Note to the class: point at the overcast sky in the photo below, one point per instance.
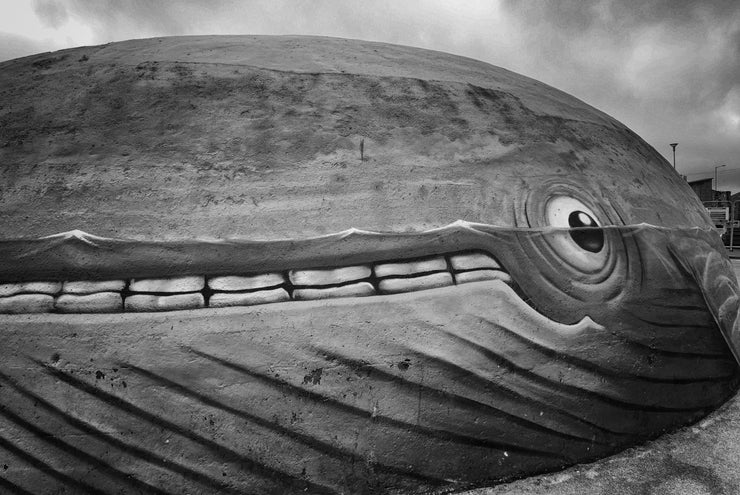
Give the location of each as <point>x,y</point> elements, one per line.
<point>668,69</point>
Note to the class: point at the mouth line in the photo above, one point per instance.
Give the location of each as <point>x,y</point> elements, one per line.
<point>382,277</point>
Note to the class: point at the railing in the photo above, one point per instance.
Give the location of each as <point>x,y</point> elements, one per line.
<point>726,218</point>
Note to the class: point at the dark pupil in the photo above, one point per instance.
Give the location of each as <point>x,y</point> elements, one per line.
<point>585,235</point>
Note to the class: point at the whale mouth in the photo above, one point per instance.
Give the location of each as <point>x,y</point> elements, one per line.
<point>144,294</point>
<point>76,272</point>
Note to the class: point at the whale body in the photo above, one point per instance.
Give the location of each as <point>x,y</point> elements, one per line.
<point>300,264</point>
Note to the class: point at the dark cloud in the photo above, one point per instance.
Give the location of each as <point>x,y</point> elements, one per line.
<point>617,15</point>
<point>115,18</point>
<point>669,69</point>
<point>677,12</point>
<point>52,13</point>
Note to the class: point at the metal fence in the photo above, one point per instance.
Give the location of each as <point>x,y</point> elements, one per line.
<point>726,218</point>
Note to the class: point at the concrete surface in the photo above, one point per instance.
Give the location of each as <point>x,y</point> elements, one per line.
<point>206,138</point>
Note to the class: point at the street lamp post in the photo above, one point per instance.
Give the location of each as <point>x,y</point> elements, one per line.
<point>673,145</point>
<point>716,189</point>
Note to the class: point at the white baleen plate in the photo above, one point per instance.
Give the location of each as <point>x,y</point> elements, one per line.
<point>411,267</point>
<point>432,281</point>
<point>224,299</point>
<point>171,285</point>
<point>147,302</point>
<point>233,282</point>
<point>30,287</point>
<point>27,303</point>
<point>477,275</point>
<point>101,302</point>
<point>473,261</point>
<point>353,290</point>
<point>329,276</point>
<point>92,286</point>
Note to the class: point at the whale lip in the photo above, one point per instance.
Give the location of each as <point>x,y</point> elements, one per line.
<point>79,255</point>
<point>81,235</point>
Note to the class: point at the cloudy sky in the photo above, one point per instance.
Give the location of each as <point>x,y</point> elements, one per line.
<point>668,69</point>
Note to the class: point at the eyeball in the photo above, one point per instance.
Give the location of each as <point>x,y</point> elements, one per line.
<point>570,213</point>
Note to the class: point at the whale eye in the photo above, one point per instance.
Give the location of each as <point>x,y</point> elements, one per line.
<point>591,239</point>
<point>567,212</point>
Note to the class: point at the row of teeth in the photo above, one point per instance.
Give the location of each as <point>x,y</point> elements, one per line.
<point>193,292</point>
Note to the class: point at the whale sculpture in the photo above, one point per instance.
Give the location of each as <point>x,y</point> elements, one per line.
<point>332,266</point>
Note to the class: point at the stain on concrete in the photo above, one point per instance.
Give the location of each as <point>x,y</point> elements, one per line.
<point>314,377</point>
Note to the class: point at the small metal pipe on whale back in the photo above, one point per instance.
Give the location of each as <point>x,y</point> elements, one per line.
<point>390,359</point>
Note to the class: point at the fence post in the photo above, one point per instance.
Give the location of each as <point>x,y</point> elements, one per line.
<point>732,225</point>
